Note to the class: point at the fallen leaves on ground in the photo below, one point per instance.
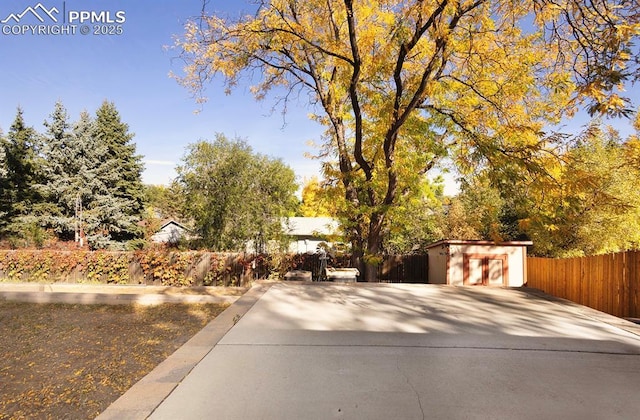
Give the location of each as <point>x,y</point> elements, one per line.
<point>72,361</point>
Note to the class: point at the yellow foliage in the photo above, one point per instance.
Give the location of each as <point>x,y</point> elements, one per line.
<point>316,200</point>
<point>403,84</point>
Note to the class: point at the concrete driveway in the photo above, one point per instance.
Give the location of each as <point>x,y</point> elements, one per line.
<point>323,351</point>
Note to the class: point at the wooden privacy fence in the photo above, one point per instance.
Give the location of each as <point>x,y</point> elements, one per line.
<point>609,283</point>
<point>404,269</point>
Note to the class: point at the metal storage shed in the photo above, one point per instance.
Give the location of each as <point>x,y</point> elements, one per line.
<point>484,263</point>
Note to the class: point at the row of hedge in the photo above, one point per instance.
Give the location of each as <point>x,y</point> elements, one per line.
<point>150,267</point>
<point>190,268</point>
<point>159,267</point>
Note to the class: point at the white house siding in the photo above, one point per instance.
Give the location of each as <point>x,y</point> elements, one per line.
<point>304,246</point>
<point>308,232</point>
<point>169,233</point>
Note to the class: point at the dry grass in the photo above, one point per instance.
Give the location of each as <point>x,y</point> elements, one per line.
<point>72,361</point>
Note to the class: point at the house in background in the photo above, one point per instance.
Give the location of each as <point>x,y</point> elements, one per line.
<point>307,233</point>
<point>171,232</point>
<point>472,263</point>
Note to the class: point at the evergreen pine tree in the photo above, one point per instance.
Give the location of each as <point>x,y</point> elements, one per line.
<point>57,187</point>
<point>19,195</point>
<point>4,205</point>
<point>85,172</point>
<point>125,188</point>
<point>93,174</point>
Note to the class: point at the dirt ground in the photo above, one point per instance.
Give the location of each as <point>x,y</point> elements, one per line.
<point>72,361</point>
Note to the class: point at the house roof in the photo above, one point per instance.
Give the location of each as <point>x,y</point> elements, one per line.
<point>172,222</point>
<point>310,226</point>
<point>477,242</point>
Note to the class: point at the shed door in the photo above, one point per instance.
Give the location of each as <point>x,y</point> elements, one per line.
<point>485,270</point>
<point>473,274</point>
<point>495,272</point>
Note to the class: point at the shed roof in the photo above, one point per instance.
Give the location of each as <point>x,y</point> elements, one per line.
<point>478,242</point>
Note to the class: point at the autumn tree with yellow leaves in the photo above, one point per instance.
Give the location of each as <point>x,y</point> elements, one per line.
<point>317,200</point>
<point>401,84</point>
<point>585,202</point>
<point>588,202</point>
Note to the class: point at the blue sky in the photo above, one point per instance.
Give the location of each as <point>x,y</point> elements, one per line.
<point>132,70</point>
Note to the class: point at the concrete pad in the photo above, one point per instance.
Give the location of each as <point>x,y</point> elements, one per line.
<point>412,351</point>
<point>145,395</point>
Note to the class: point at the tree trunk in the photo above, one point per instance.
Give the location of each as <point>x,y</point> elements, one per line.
<point>371,272</point>
<point>374,246</point>
<point>356,259</point>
